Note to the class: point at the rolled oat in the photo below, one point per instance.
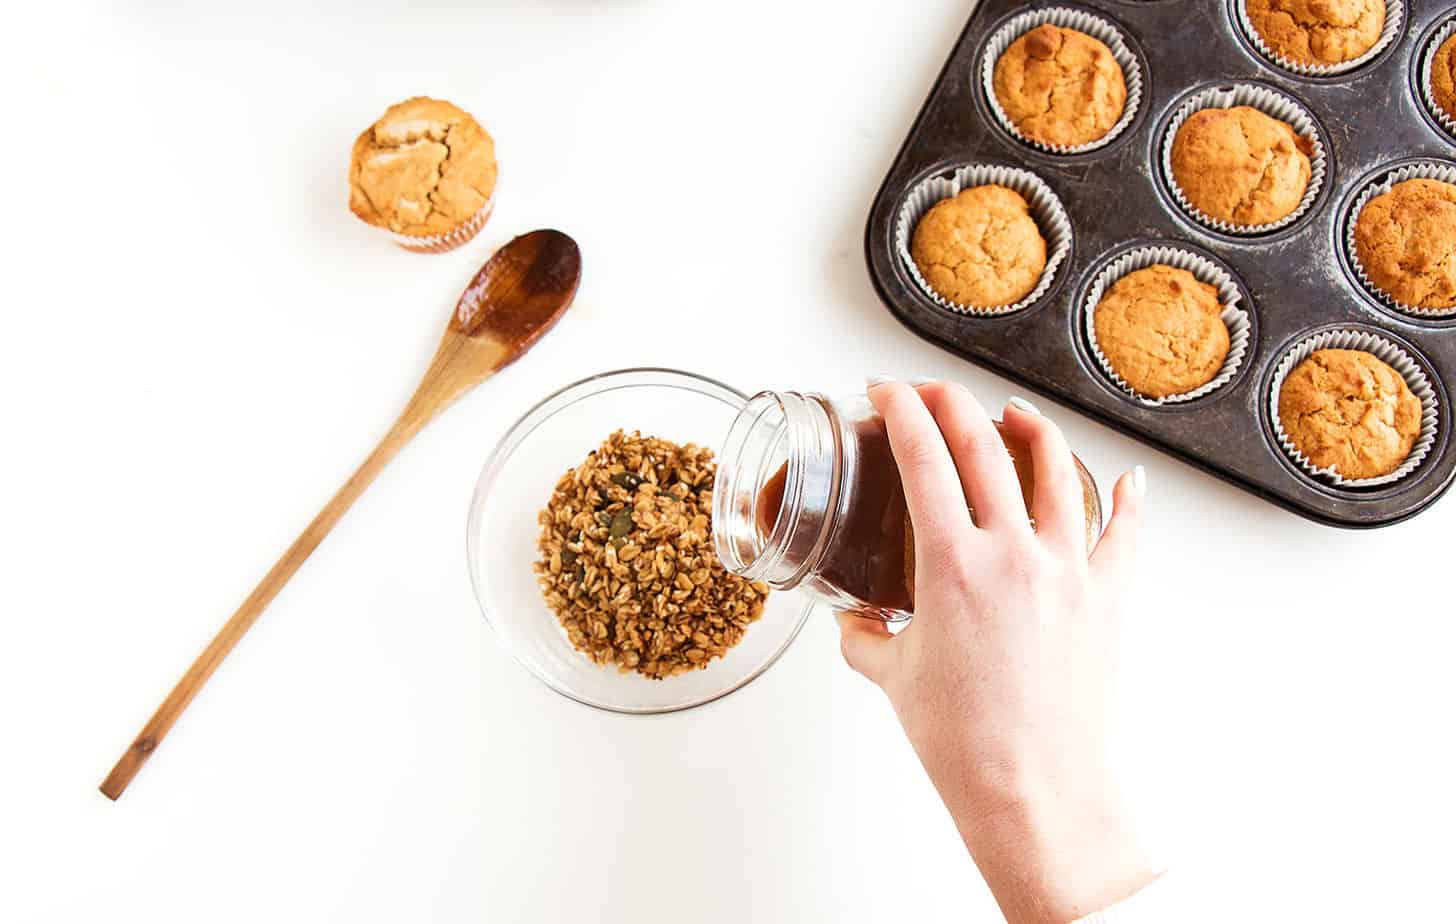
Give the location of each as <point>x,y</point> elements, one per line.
<point>627,562</point>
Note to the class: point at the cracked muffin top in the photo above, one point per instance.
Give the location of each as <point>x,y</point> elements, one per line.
<point>1349,410</point>
<point>1162,331</point>
<point>1443,76</point>
<point>1405,240</point>
<point>1318,32</point>
<point>1240,165</point>
<point>425,168</point>
<point>980,248</point>
<point>1060,86</point>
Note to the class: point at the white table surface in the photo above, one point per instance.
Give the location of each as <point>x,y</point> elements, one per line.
<point>200,343</point>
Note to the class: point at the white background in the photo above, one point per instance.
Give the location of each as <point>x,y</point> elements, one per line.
<point>200,342</point>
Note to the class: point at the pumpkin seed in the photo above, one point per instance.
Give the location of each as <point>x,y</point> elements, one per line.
<point>628,480</point>
<point>621,524</point>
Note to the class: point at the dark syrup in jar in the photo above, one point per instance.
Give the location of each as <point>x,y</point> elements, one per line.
<point>872,554</point>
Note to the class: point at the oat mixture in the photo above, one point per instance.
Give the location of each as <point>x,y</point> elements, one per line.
<point>627,561</point>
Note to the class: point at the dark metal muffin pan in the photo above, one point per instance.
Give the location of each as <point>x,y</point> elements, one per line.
<point>1296,278</point>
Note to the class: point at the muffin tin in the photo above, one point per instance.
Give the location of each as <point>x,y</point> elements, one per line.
<point>1297,280</point>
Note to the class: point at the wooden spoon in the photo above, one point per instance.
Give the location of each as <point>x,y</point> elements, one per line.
<point>515,298</point>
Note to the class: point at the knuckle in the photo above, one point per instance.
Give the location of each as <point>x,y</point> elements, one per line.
<point>1066,484</point>
<point>918,450</point>
<point>1128,511</point>
<point>1045,433</point>
<point>982,445</point>
<point>1122,527</point>
<point>1022,568</point>
<point>1038,573</point>
<point>1116,545</point>
<point>944,561</point>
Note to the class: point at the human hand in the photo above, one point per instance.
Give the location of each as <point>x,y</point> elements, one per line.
<point>1002,681</point>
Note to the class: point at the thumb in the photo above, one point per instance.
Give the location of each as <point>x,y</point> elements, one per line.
<point>865,643</point>
<point>1112,559</point>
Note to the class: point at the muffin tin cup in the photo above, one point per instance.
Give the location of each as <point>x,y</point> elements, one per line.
<point>1046,210</point>
<point>1394,17</point>
<point>1270,102</point>
<point>1430,171</point>
<point>1067,18</point>
<point>1388,352</point>
<point>448,240</point>
<point>1446,120</point>
<point>1234,317</point>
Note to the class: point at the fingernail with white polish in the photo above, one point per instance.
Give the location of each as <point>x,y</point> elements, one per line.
<point>1021,404</point>
<point>872,380</point>
<point>920,380</point>
<point>1140,479</point>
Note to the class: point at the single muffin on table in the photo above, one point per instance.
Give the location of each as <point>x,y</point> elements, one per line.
<point>1349,410</point>
<point>1405,241</point>
<point>1241,165</point>
<point>1443,77</point>
<point>1317,32</point>
<point>980,248</point>
<point>1059,86</point>
<point>1162,331</point>
<point>426,172</point>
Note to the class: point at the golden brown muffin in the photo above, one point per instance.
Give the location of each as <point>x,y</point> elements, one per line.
<point>1443,76</point>
<point>1350,410</point>
<point>1405,240</point>
<point>1060,86</point>
<point>1162,331</point>
<point>1240,165</point>
<point>425,168</point>
<point>1318,32</point>
<point>980,248</point>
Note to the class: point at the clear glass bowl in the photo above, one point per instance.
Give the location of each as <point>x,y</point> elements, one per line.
<point>553,437</point>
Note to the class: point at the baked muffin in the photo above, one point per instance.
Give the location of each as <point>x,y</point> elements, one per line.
<point>1060,86</point>
<point>980,248</point>
<point>1443,76</point>
<point>1318,32</point>
<point>1349,410</point>
<point>1162,331</point>
<point>1405,240</point>
<point>1240,165</point>
<point>425,171</point>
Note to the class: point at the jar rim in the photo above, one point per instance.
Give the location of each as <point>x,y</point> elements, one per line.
<point>743,547</point>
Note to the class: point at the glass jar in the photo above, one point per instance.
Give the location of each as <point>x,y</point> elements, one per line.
<point>808,495</point>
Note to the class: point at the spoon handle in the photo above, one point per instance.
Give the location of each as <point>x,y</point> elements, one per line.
<point>241,621</point>
<point>518,295</point>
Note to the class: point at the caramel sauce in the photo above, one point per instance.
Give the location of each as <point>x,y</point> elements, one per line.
<point>873,553</point>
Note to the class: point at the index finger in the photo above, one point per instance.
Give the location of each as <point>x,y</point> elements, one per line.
<point>933,493</point>
<point>987,474</point>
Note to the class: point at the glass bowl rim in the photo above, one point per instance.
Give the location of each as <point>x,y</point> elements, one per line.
<point>519,431</point>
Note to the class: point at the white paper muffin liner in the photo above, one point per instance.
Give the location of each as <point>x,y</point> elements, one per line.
<point>448,240</point>
<point>1398,359</point>
<point>1067,18</point>
<point>1430,171</point>
<point>1234,317</point>
<point>1446,119</point>
<point>1271,103</point>
<point>1394,16</point>
<point>1046,210</point>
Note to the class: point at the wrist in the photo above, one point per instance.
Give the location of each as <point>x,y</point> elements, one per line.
<point>1055,851</point>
